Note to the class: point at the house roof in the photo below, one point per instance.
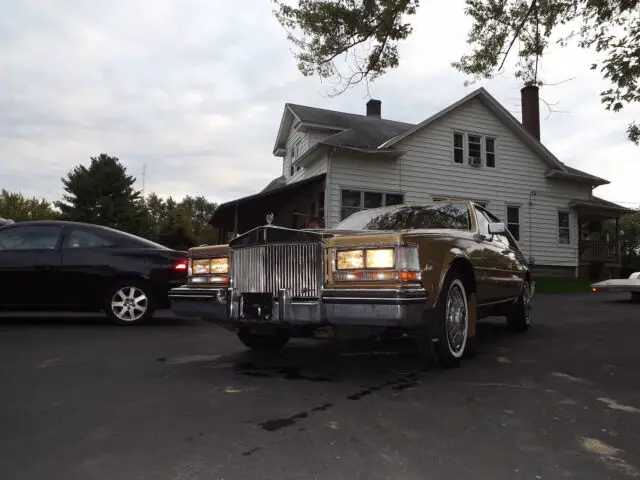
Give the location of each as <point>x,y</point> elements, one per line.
<point>600,203</point>
<point>350,129</point>
<point>358,130</point>
<point>274,184</point>
<point>273,198</point>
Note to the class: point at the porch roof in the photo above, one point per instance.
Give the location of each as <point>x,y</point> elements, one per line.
<point>254,208</point>
<point>599,206</point>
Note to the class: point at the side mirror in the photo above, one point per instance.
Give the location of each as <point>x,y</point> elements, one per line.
<point>496,228</point>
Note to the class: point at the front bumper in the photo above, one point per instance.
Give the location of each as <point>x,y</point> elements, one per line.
<point>617,285</point>
<point>401,307</point>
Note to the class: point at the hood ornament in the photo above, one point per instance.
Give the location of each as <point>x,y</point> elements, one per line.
<point>270,218</point>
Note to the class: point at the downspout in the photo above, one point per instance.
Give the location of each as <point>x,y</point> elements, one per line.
<point>532,195</point>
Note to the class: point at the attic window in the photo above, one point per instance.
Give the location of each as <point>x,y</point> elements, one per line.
<point>473,149</point>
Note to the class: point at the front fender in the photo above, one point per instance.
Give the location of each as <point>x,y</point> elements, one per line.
<point>434,272</point>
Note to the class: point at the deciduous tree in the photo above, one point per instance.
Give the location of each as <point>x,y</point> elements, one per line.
<point>368,32</point>
<point>17,207</point>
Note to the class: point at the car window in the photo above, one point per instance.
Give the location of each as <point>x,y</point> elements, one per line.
<point>502,238</point>
<point>79,238</point>
<point>404,217</point>
<point>483,222</point>
<point>32,237</point>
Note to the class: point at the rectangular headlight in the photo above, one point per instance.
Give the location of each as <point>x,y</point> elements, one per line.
<point>349,259</point>
<point>380,258</point>
<point>219,265</point>
<point>201,266</point>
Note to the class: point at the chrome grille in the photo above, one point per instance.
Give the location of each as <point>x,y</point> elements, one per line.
<point>268,268</point>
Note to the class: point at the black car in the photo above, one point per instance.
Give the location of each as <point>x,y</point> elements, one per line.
<point>55,265</point>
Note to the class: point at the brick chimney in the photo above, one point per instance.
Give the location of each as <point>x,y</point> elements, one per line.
<point>374,108</point>
<point>531,109</point>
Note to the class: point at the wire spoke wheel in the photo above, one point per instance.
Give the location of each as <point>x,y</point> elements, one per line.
<point>129,304</point>
<point>456,319</point>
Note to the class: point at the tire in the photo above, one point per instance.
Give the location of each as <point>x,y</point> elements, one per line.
<point>264,343</point>
<point>129,302</point>
<point>452,334</point>
<point>519,318</point>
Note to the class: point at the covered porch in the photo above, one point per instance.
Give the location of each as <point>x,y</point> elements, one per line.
<point>297,205</point>
<point>599,244</point>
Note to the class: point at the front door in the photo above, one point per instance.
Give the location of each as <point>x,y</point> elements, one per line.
<point>29,266</point>
<point>87,256</point>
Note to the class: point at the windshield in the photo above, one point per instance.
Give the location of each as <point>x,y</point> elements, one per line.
<point>403,217</point>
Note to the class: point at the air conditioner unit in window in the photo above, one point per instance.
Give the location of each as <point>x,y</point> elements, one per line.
<point>475,161</point>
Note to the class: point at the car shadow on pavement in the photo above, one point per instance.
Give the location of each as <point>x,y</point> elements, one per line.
<point>361,361</point>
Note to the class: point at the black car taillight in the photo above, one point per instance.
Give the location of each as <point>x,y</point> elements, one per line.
<point>182,265</point>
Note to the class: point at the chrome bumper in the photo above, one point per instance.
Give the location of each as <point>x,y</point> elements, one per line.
<point>402,308</point>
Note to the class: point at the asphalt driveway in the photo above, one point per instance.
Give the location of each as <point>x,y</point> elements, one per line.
<point>180,399</point>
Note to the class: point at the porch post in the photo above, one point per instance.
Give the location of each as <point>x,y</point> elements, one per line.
<point>618,252</point>
<point>235,219</point>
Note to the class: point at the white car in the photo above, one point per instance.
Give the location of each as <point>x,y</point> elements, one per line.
<point>631,284</point>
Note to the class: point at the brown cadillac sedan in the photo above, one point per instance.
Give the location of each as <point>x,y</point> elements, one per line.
<point>430,270</point>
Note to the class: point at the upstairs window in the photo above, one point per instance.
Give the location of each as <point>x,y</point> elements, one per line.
<point>458,148</point>
<point>475,150</point>
<point>490,152</point>
<point>295,153</point>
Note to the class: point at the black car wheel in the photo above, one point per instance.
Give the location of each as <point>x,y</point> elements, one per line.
<point>264,343</point>
<point>519,317</point>
<point>129,302</point>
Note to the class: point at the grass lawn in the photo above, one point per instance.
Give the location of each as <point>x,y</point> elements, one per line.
<point>562,285</point>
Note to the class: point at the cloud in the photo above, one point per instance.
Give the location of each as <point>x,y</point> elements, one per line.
<point>194,90</point>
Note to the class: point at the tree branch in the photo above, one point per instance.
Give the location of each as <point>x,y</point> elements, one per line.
<point>517,33</point>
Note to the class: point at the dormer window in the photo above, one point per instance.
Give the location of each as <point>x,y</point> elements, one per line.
<point>474,150</point>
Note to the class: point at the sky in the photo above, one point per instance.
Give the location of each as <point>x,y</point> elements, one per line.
<point>192,92</point>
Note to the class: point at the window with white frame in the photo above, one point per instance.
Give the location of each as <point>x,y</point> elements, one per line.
<point>355,200</point>
<point>473,149</point>
<point>564,228</point>
<point>295,153</point>
<point>513,221</point>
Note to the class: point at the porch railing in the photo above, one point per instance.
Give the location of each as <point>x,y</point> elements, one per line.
<point>599,251</point>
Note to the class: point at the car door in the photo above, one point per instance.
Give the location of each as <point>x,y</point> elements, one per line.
<point>482,255</point>
<point>30,265</point>
<point>87,265</point>
<point>496,266</point>
<point>512,260</point>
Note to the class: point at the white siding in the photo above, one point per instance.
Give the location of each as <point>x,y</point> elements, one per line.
<point>427,170</point>
<point>364,174</point>
<point>307,140</point>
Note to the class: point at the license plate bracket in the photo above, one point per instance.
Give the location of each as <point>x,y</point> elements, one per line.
<point>257,306</point>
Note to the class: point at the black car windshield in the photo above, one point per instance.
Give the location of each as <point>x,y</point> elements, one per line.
<point>403,217</point>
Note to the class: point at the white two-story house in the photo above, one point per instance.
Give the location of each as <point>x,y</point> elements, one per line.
<point>335,163</point>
